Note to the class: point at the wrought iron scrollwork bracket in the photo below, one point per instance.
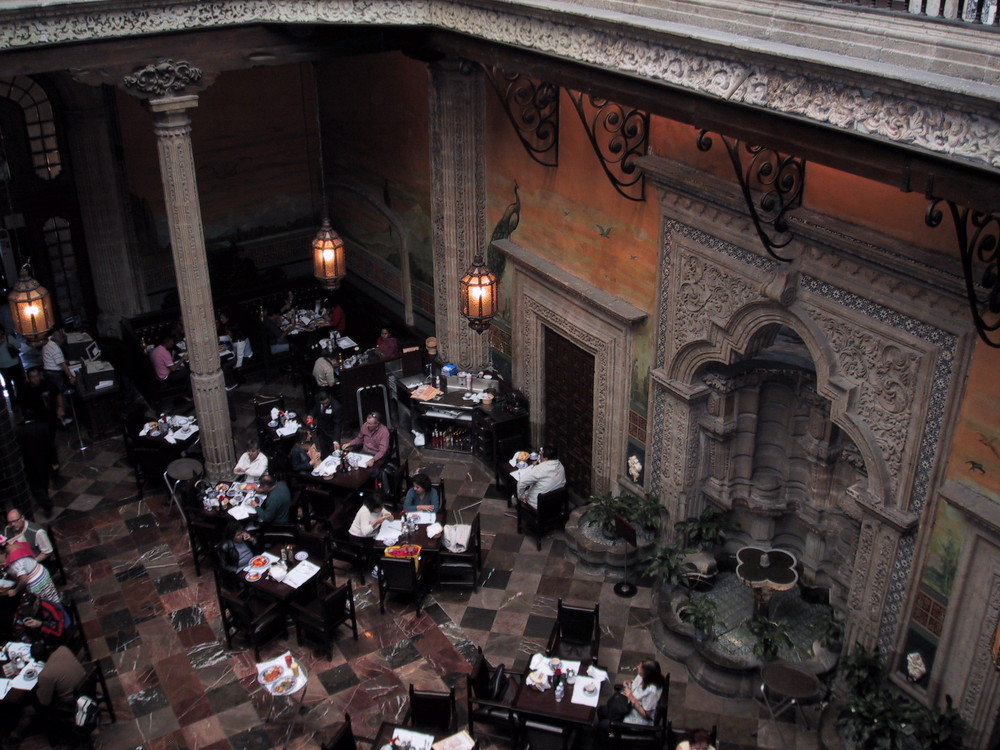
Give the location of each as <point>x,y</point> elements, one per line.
<point>779,180</point>
<point>533,109</point>
<point>619,136</point>
<point>978,235</point>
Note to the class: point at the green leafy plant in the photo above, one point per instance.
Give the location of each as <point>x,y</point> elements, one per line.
<point>770,636</point>
<point>700,613</point>
<point>667,563</point>
<point>643,512</point>
<point>862,670</point>
<point>941,729</point>
<point>705,531</point>
<point>877,720</point>
<point>829,630</point>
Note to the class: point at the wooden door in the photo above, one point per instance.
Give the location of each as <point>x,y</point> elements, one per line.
<point>569,408</point>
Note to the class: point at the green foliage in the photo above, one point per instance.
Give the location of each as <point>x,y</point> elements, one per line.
<point>941,729</point>
<point>829,630</point>
<point>699,613</point>
<point>645,513</point>
<point>667,563</point>
<point>862,669</point>
<point>770,636</point>
<point>877,720</point>
<point>879,717</point>
<point>705,531</point>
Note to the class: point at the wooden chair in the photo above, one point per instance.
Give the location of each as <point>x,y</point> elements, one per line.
<point>55,563</point>
<point>358,552</point>
<point>204,537</point>
<point>318,620</point>
<point>489,702</point>
<point>258,621</point>
<point>550,514</point>
<point>639,736</point>
<point>462,568</point>
<point>539,735</point>
<point>77,640</point>
<point>399,575</point>
<point>576,633</point>
<point>430,709</point>
<point>343,738</point>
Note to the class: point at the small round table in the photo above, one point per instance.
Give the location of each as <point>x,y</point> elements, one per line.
<point>785,685</point>
<point>182,470</point>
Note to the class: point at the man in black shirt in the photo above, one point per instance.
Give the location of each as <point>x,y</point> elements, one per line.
<point>326,417</point>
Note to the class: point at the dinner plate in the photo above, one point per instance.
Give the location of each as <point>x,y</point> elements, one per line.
<point>254,575</point>
<point>590,689</point>
<point>155,433</point>
<point>285,686</point>
<point>260,562</point>
<point>272,424</point>
<point>301,555</point>
<point>272,673</point>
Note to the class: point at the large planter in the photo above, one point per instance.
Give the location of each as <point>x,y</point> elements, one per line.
<point>602,552</point>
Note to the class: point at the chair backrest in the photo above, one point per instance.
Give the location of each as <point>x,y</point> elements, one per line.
<point>479,678</point>
<point>577,624</point>
<point>338,604</point>
<point>343,738</point>
<point>552,504</point>
<point>430,708</point>
<point>398,573</point>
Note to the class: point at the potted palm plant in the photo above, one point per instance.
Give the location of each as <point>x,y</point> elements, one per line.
<point>770,637</point>
<point>646,513</point>
<point>700,614</point>
<point>667,563</point>
<point>705,531</point>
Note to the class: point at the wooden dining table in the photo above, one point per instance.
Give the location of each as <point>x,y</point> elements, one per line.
<point>543,704</point>
<point>388,729</point>
<point>278,590</point>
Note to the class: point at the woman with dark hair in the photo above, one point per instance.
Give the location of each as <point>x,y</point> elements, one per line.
<point>370,515</point>
<point>421,496</point>
<point>304,456</point>
<point>387,345</point>
<point>640,698</point>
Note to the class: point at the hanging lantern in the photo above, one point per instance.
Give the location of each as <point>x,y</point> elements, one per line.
<point>329,262</point>
<point>31,307</point>
<point>479,295</point>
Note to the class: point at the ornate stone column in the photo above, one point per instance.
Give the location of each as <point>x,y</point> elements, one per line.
<point>458,200</point>
<point>187,240</point>
<point>110,238</point>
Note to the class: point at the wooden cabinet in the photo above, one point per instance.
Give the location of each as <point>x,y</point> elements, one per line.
<point>496,435</point>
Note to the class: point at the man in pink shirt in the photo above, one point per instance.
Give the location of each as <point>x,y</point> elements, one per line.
<point>373,438</point>
<point>163,362</point>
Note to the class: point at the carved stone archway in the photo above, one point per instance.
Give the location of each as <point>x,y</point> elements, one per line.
<point>887,367</point>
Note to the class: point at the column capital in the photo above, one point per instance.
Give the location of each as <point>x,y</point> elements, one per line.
<point>167,105</point>
<point>163,77</point>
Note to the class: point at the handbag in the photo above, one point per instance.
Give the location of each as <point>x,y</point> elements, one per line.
<point>618,707</point>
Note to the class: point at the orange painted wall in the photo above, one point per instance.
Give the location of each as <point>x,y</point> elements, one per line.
<point>975,455</point>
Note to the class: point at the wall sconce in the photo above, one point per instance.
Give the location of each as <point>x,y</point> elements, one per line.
<point>329,263</point>
<point>31,307</point>
<point>479,295</point>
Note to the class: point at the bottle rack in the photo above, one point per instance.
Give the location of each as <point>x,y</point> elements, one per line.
<point>445,435</point>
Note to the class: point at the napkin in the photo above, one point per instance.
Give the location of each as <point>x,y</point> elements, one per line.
<point>415,740</point>
<point>239,512</point>
<point>581,698</point>
<point>290,428</point>
<point>434,529</point>
<point>4,687</point>
<point>301,573</point>
<point>598,674</point>
<point>274,414</point>
<point>389,531</point>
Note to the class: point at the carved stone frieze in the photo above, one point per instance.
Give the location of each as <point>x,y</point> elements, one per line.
<point>705,291</point>
<point>886,375</point>
<point>619,45</point>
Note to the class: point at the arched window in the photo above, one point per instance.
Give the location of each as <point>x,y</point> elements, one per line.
<point>39,122</point>
<point>62,259</point>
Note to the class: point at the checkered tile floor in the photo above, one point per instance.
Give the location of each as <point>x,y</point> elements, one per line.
<point>155,626</point>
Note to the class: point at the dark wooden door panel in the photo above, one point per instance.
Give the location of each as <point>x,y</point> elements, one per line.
<point>569,408</point>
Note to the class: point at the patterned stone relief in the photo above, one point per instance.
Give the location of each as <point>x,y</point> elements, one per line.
<point>862,562</point>
<point>704,291</point>
<point>886,375</point>
<point>894,115</point>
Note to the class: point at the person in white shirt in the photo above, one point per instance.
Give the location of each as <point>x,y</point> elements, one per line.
<point>699,741</point>
<point>547,475</point>
<point>54,361</point>
<point>253,463</point>
<point>370,516</point>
